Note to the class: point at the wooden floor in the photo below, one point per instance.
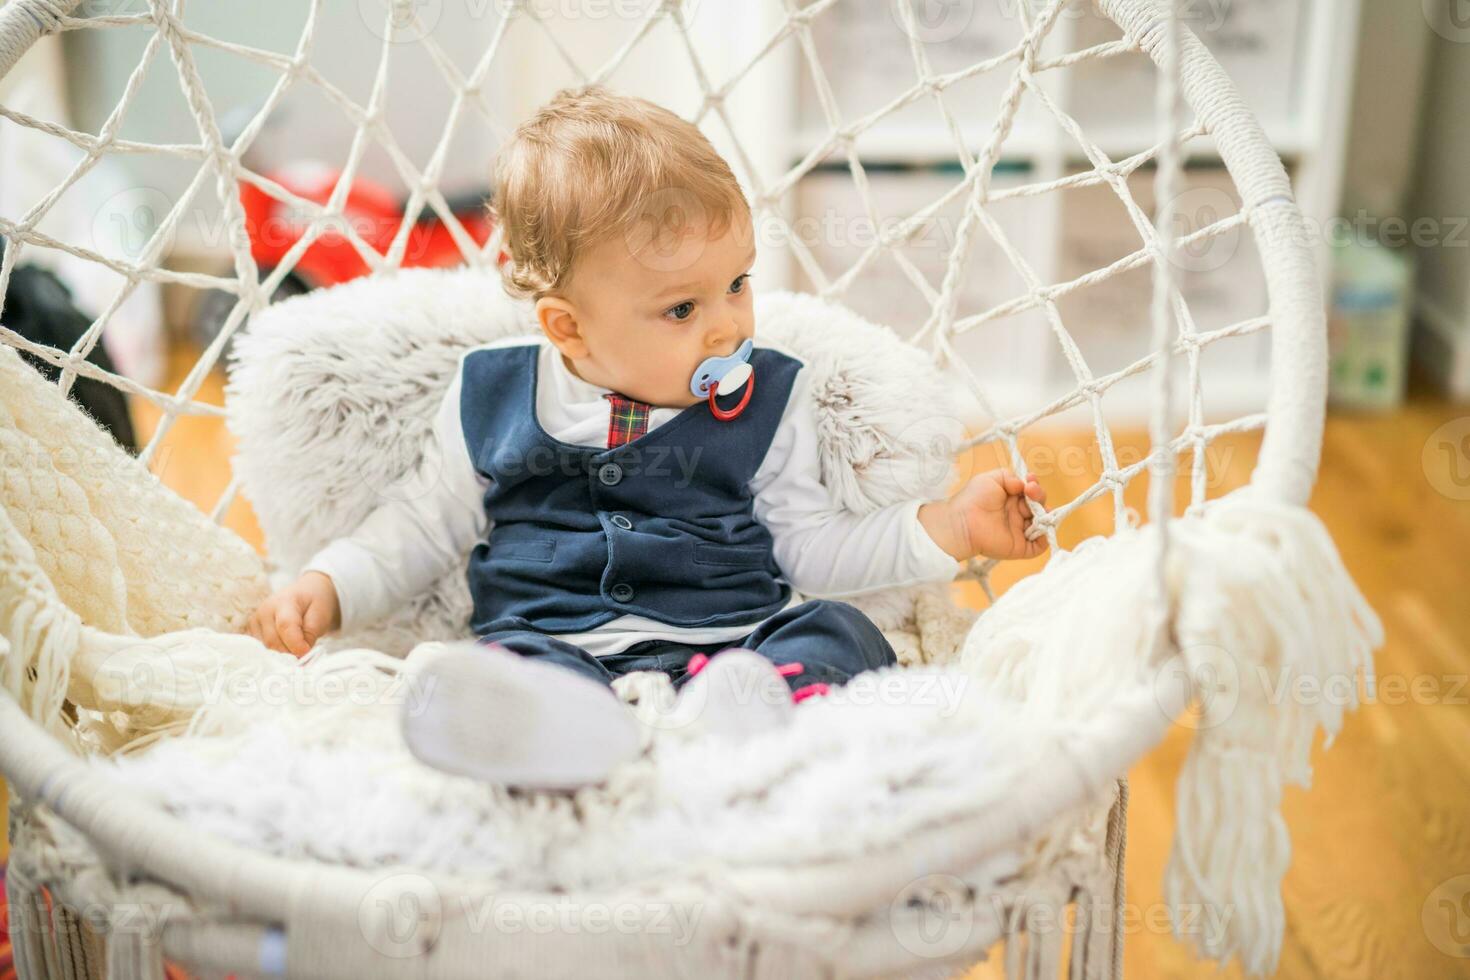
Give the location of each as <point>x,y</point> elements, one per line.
<point>1387,821</point>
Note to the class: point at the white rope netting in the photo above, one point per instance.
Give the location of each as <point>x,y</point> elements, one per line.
<point>1255,576</point>
<point>1037,53</point>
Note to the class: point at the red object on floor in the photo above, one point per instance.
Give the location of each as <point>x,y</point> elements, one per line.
<point>371,210</point>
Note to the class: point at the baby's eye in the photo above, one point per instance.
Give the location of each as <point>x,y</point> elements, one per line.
<point>682,311</point>
<point>739,284</point>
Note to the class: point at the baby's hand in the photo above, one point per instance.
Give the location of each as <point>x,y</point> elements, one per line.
<point>989,516</point>
<point>293,619</point>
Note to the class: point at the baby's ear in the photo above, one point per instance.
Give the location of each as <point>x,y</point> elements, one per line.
<point>558,320</point>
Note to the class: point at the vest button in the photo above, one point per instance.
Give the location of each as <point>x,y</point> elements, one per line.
<point>622,592</point>
<point>611,474</point>
<point>622,521</point>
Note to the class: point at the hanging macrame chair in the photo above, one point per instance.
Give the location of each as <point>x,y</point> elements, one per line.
<point>170,805</point>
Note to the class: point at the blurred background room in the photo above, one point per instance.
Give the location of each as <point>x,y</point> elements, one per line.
<point>1367,102</point>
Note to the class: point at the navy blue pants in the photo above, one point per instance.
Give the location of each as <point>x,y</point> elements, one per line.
<point>832,641</point>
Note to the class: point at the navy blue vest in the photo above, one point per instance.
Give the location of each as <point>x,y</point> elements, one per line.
<point>662,527</point>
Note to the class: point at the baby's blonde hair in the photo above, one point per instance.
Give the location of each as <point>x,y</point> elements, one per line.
<point>590,165</point>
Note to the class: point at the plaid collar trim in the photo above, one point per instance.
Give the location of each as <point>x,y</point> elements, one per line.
<point>626,419</point>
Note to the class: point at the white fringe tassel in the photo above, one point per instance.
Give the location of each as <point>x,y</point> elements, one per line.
<point>1264,611</point>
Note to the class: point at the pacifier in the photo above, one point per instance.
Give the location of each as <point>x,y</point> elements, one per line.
<point>722,375</point>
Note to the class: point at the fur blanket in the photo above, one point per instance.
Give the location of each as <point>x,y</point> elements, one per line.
<point>332,395</point>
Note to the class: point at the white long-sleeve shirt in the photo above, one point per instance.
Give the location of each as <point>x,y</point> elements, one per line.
<point>433,516</point>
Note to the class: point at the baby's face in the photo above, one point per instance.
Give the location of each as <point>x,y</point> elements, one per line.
<point>644,317</point>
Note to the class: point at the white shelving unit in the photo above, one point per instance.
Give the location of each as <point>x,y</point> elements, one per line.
<point>1292,61</point>
<point>1291,58</point>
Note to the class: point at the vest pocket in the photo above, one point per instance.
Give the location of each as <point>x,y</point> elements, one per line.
<point>722,554</point>
<point>538,550</point>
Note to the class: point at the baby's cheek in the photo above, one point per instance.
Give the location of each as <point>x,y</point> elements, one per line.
<point>679,371</point>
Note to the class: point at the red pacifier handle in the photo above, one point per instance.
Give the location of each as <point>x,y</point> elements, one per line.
<point>725,415</point>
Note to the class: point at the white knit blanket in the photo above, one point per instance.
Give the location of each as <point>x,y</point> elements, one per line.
<point>891,754</point>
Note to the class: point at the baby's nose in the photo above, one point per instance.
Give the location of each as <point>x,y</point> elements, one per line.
<point>725,340</point>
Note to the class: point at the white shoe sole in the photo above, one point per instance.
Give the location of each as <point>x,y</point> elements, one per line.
<point>494,715</point>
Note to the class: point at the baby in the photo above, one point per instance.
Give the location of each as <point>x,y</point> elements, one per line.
<point>640,483</point>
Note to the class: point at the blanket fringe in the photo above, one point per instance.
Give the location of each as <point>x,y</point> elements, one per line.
<point>1275,644</point>
<point>1260,600</point>
<point>39,636</point>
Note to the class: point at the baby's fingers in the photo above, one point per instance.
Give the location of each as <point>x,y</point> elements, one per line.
<point>316,622</point>
<point>1032,546</point>
<point>268,628</point>
<point>1019,515</point>
<point>1035,490</point>
<point>288,624</point>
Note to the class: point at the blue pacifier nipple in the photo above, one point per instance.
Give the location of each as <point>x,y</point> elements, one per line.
<point>722,375</point>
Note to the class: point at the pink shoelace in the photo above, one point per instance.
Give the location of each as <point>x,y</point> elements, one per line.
<point>699,660</point>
